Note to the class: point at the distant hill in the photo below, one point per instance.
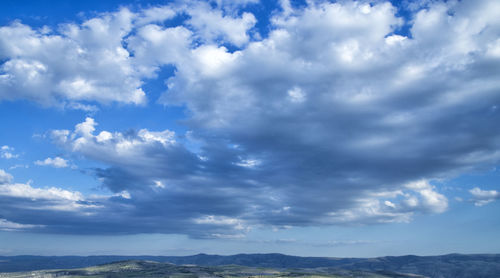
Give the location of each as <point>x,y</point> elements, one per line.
<point>149,269</point>
<point>452,265</point>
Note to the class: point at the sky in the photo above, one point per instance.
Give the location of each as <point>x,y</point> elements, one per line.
<point>310,128</point>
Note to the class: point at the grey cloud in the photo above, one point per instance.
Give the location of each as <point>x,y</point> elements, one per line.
<point>212,184</point>
<point>55,210</point>
<point>376,111</point>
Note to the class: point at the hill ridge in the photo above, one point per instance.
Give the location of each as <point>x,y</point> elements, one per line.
<point>449,265</point>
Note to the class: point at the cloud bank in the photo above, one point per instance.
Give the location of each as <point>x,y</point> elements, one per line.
<point>334,117</point>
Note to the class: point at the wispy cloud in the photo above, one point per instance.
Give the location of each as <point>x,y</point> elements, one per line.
<point>6,225</point>
<point>482,197</point>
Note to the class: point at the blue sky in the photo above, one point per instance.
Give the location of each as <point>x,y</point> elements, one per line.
<point>315,128</point>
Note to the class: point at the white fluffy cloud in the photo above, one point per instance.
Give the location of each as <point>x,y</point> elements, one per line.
<point>429,200</point>
<point>79,63</point>
<point>398,206</point>
<point>115,147</point>
<point>103,59</point>
<point>482,197</point>
<point>212,24</point>
<point>5,177</point>
<point>57,162</point>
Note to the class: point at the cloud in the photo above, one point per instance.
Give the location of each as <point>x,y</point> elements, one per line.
<point>19,166</point>
<point>332,118</point>
<point>51,194</point>
<point>155,15</point>
<point>57,210</point>
<point>5,177</point>
<point>129,153</point>
<point>57,162</point>
<point>25,207</point>
<point>211,24</point>
<point>345,243</point>
<point>161,176</point>
<point>399,205</point>
<point>52,198</point>
<point>7,152</point>
<point>6,225</point>
<point>482,197</point>
<point>90,64</point>
<point>102,59</point>
<point>430,200</point>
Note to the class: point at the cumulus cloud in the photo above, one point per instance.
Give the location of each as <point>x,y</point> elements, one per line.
<point>101,59</point>
<point>5,177</point>
<point>429,200</point>
<point>57,162</point>
<point>77,63</point>
<point>129,153</point>
<point>212,24</point>
<point>155,15</point>
<point>332,118</point>
<point>482,197</point>
<point>7,152</point>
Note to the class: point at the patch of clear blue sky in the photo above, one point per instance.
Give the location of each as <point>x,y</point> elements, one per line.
<point>54,12</point>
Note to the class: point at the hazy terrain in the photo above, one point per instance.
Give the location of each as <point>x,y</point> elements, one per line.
<point>156,269</point>
<point>246,265</point>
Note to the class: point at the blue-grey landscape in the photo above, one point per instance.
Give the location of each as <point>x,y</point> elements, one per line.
<point>285,138</point>
<point>252,265</point>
